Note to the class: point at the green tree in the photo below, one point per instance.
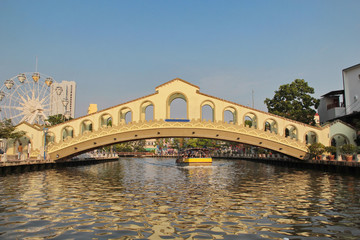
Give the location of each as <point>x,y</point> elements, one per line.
<point>294,101</point>
<point>7,130</point>
<point>123,147</point>
<point>138,146</point>
<point>57,119</point>
<point>200,143</point>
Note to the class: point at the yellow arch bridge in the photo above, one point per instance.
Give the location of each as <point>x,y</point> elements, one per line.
<point>229,121</point>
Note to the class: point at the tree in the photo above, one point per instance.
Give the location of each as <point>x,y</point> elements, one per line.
<point>200,143</point>
<point>316,149</point>
<point>294,101</point>
<point>57,119</point>
<point>7,130</point>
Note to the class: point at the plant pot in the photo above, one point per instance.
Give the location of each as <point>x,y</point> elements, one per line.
<point>318,157</point>
<point>331,157</point>
<point>349,158</point>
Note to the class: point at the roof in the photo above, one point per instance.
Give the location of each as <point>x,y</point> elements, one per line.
<point>332,93</point>
<point>176,79</point>
<point>352,67</point>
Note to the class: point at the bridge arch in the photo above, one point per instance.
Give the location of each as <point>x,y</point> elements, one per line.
<point>205,106</point>
<point>66,132</point>
<point>106,120</point>
<point>162,129</point>
<point>125,115</point>
<point>86,126</point>
<point>291,132</point>
<point>250,120</point>
<point>311,137</point>
<point>232,113</point>
<point>171,98</point>
<point>271,125</point>
<point>144,107</point>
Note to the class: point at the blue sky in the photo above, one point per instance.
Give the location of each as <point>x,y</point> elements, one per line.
<point>121,50</point>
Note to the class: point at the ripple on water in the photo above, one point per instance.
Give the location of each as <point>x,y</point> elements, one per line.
<point>155,199</point>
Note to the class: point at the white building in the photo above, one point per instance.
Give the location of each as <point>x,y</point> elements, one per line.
<point>351,81</point>
<point>62,98</point>
<point>340,103</point>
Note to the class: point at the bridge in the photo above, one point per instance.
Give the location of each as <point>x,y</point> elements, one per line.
<point>134,121</point>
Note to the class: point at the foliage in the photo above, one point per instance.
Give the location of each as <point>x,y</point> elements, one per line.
<point>138,146</point>
<point>123,147</point>
<point>200,143</point>
<point>57,119</point>
<point>348,149</point>
<point>133,146</point>
<point>8,131</point>
<point>293,101</point>
<point>248,123</point>
<point>177,143</point>
<point>316,149</point>
<point>330,149</point>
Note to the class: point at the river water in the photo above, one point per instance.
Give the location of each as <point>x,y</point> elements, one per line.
<point>150,198</point>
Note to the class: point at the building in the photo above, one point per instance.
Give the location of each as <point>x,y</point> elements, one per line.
<point>339,104</point>
<point>92,108</point>
<point>62,98</point>
<point>331,106</point>
<point>351,81</point>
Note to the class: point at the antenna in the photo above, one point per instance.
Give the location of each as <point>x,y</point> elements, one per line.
<point>252,97</point>
<point>36,63</point>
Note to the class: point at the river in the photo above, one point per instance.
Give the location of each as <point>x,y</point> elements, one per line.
<point>152,198</point>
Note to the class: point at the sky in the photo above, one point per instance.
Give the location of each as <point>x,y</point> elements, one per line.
<point>118,51</point>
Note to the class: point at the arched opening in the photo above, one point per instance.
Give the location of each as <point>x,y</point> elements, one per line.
<point>128,117</point>
<point>105,120</point>
<point>86,126</point>
<point>177,107</point>
<point>125,115</point>
<point>230,115</point>
<point>311,137</point>
<point>291,132</point>
<point>67,132</point>
<point>207,113</point>
<point>50,137</point>
<point>147,111</point>
<point>250,120</point>
<point>337,141</point>
<point>271,126</point>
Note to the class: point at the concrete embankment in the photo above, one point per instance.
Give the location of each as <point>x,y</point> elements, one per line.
<point>17,166</point>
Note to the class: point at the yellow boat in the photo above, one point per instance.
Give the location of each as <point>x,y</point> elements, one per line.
<point>194,157</point>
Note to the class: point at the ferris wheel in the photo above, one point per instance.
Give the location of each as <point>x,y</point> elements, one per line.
<point>29,97</point>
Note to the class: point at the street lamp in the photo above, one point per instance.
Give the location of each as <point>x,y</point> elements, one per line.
<point>45,133</point>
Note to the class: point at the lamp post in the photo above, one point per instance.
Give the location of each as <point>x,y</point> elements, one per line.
<point>45,133</point>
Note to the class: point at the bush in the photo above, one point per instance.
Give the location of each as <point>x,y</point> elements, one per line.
<point>330,149</point>
<point>316,149</point>
<point>348,149</point>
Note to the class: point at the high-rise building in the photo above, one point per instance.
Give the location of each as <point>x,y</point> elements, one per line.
<point>62,98</point>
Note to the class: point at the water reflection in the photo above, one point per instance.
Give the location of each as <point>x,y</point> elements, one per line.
<point>155,199</point>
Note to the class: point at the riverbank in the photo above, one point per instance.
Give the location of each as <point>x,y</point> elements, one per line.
<point>352,167</point>
<point>15,166</point>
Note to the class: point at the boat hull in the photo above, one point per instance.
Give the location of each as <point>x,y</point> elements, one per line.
<point>194,161</point>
